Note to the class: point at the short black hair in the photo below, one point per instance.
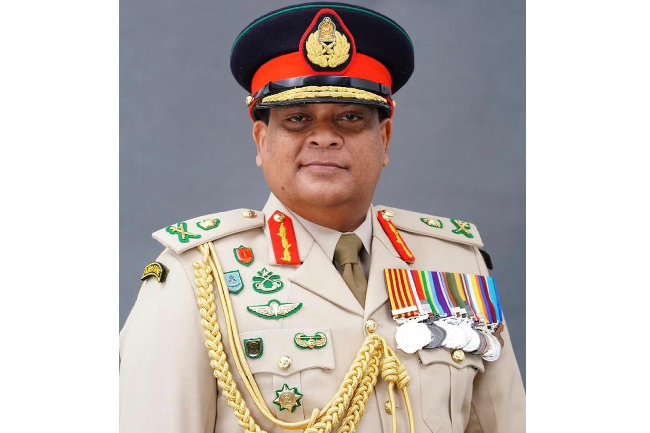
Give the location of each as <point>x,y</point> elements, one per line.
<point>263,114</point>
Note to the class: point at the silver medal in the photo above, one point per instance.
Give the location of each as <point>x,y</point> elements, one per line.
<point>474,342</point>
<point>438,335</point>
<point>412,336</point>
<point>493,354</point>
<point>482,347</point>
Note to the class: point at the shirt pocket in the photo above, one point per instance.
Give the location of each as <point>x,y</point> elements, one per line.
<point>446,389</point>
<point>310,371</point>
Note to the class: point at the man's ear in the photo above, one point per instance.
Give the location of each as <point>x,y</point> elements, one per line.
<point>259,134</point>
<point>386,128</point>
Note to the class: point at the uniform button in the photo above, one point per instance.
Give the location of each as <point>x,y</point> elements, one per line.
<point>458,355</point>
<point>387,214</point>
<point>284,362</point>
<point>279,217</point>
<point>371,326</point>
<point>387,407</point>
<point>250,213</point>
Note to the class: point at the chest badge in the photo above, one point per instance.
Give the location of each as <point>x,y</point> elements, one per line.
<point>244,255</point>
<point>233,281</point>
<point>267,282</point>
<point>274,309</point>
<point>287,398</point>
<point>254,347</point>
<point>315,341</point>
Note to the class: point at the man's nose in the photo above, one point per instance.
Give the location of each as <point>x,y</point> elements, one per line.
<point>324,134</point>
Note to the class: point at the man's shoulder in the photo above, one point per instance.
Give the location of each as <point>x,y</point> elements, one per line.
<point>184,235</point>
<point>419,223</point>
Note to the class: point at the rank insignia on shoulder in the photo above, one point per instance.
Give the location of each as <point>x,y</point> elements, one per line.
<point>155,269</point>
<point>287,398</point>
<point>181,230</point>
<point>208,224</point>
<point>432,222</point>
<point>244,255</point>
<point>274,309</point>
<point>267,282</point>
<point>254,347</point>
<point>462,228</point>
<point>233,281</point>
<point>315,341</point>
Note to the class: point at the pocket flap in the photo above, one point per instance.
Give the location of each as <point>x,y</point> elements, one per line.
<point>278,343</point>
<point>443,355</point>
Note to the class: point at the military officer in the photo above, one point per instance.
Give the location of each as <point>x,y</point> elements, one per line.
<point>321,312</point>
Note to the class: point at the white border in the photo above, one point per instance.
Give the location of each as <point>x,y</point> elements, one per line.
<point>587,200</point>
<point>59,140</point>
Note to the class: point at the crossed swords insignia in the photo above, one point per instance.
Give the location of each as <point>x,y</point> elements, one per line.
<point>181,231</point>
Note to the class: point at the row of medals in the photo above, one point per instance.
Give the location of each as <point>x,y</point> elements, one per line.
<point>451,332</point>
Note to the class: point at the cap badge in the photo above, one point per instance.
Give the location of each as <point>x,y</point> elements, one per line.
<point>328,45</point>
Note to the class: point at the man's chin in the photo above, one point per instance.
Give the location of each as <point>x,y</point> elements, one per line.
<point>323,194</point>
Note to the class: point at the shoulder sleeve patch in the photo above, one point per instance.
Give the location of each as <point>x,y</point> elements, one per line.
<point>184,235</point>
<point>451,229</point>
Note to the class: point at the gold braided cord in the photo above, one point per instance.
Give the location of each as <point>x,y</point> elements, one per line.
<point>344,410</point>
<point>323,92</point>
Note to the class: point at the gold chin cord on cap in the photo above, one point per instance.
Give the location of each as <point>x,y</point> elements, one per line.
<point>345,409</point>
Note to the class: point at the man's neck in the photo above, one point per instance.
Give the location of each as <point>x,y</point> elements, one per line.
<point>341,218</point>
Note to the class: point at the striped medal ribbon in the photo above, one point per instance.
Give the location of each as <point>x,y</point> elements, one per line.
<point>453,300</point>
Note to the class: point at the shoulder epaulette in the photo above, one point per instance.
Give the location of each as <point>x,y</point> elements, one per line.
<point>451,229</point>
<point>185,235</point>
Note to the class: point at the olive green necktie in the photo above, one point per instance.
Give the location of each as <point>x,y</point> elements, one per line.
<point>346,255</point>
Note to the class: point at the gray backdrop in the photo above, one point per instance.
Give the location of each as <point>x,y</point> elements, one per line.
<point>457,149</point>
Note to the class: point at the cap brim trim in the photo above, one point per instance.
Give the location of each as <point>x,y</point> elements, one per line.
<point>320,92</point>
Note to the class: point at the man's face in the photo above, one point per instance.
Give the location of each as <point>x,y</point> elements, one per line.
<point>322,155</point>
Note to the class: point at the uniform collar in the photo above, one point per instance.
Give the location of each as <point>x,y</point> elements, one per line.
<point>327,238</point>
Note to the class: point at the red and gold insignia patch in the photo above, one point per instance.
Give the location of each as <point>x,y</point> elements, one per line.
<point>327,45</point>
<point>244,255</point>
<point>283,239</point>
<point>395,237</point>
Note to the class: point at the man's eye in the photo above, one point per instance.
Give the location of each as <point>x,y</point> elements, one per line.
<point>351,117</point>
<point>297,118</point>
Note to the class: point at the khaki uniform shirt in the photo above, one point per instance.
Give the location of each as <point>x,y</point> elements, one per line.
<point>167,383</point>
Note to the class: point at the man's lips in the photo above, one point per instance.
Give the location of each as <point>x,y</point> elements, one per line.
<point>326,165</point>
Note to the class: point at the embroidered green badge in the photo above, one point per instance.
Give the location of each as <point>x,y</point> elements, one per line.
<point>432,222</point>
<point>267,282</point>
<point>208,224</point>
<point>462,228</point>
<point>275,309</point>
<point>254,347</point>
<point>287,398</point>
<point>315,341</point>
<point>181,230</point>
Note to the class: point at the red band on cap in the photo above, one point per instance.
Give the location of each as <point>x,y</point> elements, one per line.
<point>293,65</point>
